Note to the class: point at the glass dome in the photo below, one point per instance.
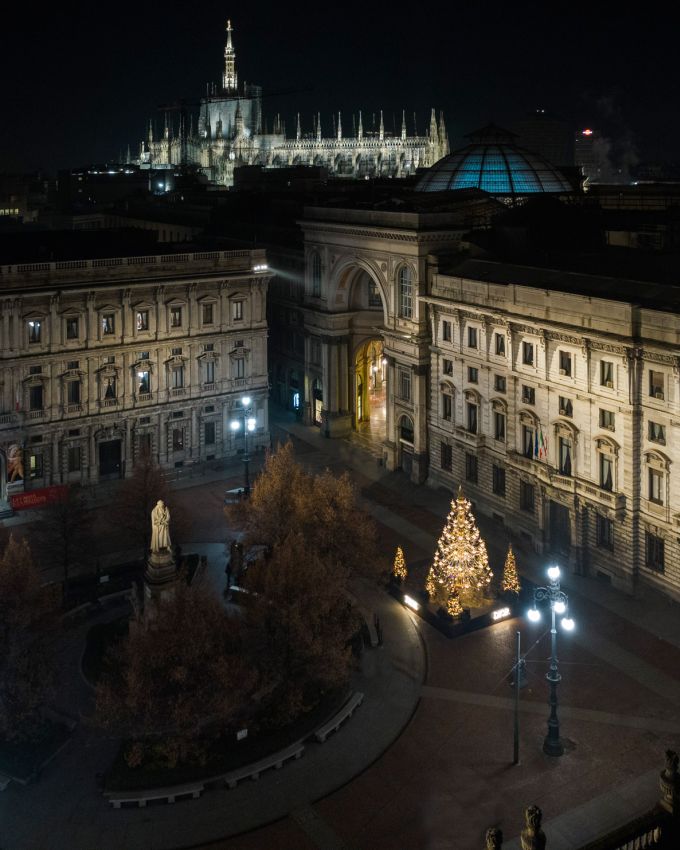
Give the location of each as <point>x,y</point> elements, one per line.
<point>494,163</point>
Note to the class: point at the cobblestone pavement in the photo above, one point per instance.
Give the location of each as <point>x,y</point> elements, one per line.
<point>449,774</point>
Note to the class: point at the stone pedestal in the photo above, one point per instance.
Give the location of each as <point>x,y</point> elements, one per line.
<point>159,576</point>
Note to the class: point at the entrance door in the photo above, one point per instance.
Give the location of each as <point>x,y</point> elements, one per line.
<point>560,535</point>
<point>406,459</point>
<point>109,459</point>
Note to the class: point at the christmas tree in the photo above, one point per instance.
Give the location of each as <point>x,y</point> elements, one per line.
<point>461,564</point>
<point>399,570</point>
<point>510,578</point>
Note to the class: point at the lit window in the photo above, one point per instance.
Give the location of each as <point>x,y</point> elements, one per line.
<point>565,363</point>
<point>72,328</point>
<point>175,317</point>
<point>144,378</point>
<point>34,330</point>
<point>237,311</point>
<point>142,320</point>
<point>36,466</point>
<point>108,324</point>
<point>657,433</point>
<point>656,384</point>
<point>405,292</point>
<point>500,344</point>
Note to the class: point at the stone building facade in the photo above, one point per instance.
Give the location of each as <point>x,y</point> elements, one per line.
<point>105,359</point>
<point>231,131</point>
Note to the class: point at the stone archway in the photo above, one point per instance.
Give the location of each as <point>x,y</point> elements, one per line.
<point>369,403</point>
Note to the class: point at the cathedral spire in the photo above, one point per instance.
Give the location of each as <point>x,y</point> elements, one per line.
<point>360,133</point>
<point>434,135</point>
<point>318,126</point>
<point>298,129</point>
<point>403,124</point>
<point>166,129</point>
<point>229,78</point>
<point>382,127</point>
<point>339,126</point>
<point>150,134</point>
<point>443,137</point>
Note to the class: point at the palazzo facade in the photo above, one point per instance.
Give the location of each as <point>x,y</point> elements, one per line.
<point>105,359</point>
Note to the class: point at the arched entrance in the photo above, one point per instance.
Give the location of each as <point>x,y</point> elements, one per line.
<point>406,443</point>
<point>370,390</point>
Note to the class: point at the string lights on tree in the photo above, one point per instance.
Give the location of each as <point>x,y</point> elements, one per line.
<point>510,582</point>
<point>461,564</point>
<point>399,570</point>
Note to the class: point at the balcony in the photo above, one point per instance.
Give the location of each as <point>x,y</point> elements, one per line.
<point>74,407</point>
<point>36,414</point>
<point>176,392</point>
<point>8,418</point>
<point>145,397</point>
<point>606,498</point>
<point>109,402</point>
<point>209,388</point>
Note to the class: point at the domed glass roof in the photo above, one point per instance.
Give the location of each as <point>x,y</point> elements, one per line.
<point>495,164</point>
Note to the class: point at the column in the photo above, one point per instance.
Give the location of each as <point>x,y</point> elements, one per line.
<point>391,451</point>
<point>420,455</point>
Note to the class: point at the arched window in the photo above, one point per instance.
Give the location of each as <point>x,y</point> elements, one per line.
<point>406,429</point>
<point>316,276</point>
<point>405,280</point>
<point>607,452</point>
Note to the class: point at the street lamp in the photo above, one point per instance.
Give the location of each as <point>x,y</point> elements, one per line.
<point>249,423</point>
<point>559,603</point>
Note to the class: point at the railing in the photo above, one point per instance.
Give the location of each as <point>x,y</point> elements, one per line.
<point>75,407</point>
<point>109,402</point>
<point>177,391</point>
<point>144,396</point>
<point>8,418</point>
<point>647,832</point>
<point>35,414</point>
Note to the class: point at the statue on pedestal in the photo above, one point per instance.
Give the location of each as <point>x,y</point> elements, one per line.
<point>160,527</point>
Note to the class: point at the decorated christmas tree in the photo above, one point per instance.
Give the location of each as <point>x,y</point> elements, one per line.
<point>510,581</point>
<point>399,570</point>
<point>461,564</point>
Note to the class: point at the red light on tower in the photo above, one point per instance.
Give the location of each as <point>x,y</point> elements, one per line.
<point>587,132</point>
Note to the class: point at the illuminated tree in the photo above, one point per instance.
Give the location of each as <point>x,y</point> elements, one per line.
<point>510,581</point>
<point>399,570</point>
<point>461,564</point>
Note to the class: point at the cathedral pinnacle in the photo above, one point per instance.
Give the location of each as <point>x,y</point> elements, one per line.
<point>403,124</point>
<point>360,133</point>
<point>318,126</point>
<point>298,129</point>
<point>382,127</point>
<point>339,126</point>
<point>229,78</point>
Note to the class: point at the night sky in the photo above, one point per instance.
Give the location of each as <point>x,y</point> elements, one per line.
<point>78,85</point>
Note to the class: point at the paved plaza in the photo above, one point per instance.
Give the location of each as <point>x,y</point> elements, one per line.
<point>426,762</point>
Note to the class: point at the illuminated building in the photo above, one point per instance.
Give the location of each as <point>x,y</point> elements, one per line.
<point>231,131</point>
<point>103,359</point>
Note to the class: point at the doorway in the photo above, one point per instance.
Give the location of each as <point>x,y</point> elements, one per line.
<point>560,530</point>
<point>110,459</point>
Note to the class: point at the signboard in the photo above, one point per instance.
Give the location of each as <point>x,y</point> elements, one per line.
<point>36,498</point>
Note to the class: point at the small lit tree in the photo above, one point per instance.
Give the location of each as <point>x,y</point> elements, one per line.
<point>461,563</point>
<point>510,582</point>
<point>399,570</point>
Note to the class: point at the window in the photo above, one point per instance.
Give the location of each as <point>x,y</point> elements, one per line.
<point>239,367</point>
<point>566,407</point>
<point>178,439</point>
<point>406,429</point>
<point>176,352</point>
<point>35,397</point>
<point>210,372</point>
<point>143,355</point>
<point>72,328</point>
<point>108,324</point>
<point>36,466</point>
<point>473,375</point>
<point>207,314</point>
<point>657,433</point>
<point>528,440</point>
<point>34,370</point>
<point>446,332</point>
<point>565,363</point>
<point>237,311</point>
<point>210,346</point>
<point>73,365</point>
<point>499,383</point>
<point>144,378</point>
<point>499,340</point>
<point>499,425</point>
<point>528,353</point>
<point>405,293</point>
<point>656,384</point>
<point>316,278</point>
<point>565,456</point>
<point>447,457</point>
<point>111,358</point>
<point>471,467</point>
<point>446,406</point>
<point>528,394</point>
<point>142,320</point>
<point>34,330</point>
<point>607,419</point>
<point>374,299</point>
<point>655,480</point>
<point>73,392</point>
<point>110,391</point>
<point>604,531</point>
<point>209,433</point>
<point>472,338</point>
<point>526,496</point>
<point>175,317</point>
<point>498,480</point>
<point>177,377</point>
<point>471,417</point>
<point>447,367</point>
<point>144,444</point>
<point>606,373</point>
<point>654,552</point>
<point>606,472</point>
<point>73,459</point>
<point>405,384</point>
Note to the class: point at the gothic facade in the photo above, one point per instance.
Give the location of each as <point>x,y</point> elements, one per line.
<point>231,131</point>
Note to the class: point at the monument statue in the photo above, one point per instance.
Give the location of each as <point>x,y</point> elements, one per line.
<point>532,836</point>
<point>160,527</point>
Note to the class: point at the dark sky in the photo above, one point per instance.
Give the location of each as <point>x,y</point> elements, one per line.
<point>78,83</point>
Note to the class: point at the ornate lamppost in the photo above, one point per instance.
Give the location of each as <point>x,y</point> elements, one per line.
<point>558,600</point>
<point>249,423</point>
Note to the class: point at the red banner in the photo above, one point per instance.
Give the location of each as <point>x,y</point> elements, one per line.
<point>36,498</point>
